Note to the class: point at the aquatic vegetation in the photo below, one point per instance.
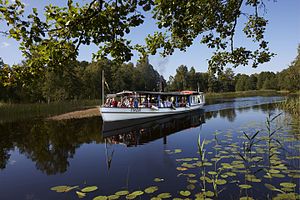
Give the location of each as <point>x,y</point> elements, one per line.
<point>236,162</point>
<point>89,189</point>
<point>291,105</point>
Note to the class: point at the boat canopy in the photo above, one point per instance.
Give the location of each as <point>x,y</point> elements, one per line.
<point>130,93</point>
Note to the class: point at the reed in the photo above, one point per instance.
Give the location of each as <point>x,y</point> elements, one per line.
<point>15,112</point>
<point>292,106</point>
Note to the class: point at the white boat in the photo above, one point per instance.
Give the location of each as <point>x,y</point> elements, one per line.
<point>143,104</point>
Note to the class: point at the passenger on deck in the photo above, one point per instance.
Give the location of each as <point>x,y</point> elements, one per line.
<point>161,104</point>
<point>136,103</point>
<point>182,103</point>
<point>126,102</point>
<point>114,103</point>
<point>108,102</point>
<point>167,103</point>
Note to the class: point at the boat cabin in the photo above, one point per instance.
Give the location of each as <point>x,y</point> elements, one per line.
<point>146,99</point>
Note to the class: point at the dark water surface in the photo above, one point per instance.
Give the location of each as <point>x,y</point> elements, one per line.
<point>37,155</point>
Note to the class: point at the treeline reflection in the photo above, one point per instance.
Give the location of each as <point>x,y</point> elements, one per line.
<point>50,145</point>
<point>230,114</point>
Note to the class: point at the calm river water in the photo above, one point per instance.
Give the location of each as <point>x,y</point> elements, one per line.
<point>38,155</point>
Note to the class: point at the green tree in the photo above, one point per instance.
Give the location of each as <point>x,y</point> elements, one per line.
<point>227,80</point>
<point>243,82</point>
<point>181,78</point>
<point>213,83</point>
<point>289,79</point>
<point>53,40</point>
<point>149,78</point>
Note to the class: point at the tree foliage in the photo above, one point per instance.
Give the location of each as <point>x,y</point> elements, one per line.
<point>53,40</point>
<point>79,80</point>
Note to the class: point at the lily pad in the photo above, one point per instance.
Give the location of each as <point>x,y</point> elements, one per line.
<point>207,179</point>
<point>89,189</point>
<point>187,165</point>
<point>212,172</point>
<point>221,181</point>
<point>245,186</point>
<point>71,188</point>
<point>294,175</point>
<point>130,196</point>
<point>288,185</point>
<point>100,198</point>
<point>231,173</point>
<point>181,168</point>
<point>177,151</point>
<point>278,175</point>
<point>158,180</point>
<point>209,194</point>
<point>122,193</point>
<point>137,193</point>
<point>274,171</point>
<point>191,187</point>
<point>287,189</point>
<point>286,196</point>
<point>207,164</point>
<point>192,181</point>
<point>151,189</point>
<point>61,188</point>
<point>164,195</point>
<point>226,165</point>
<point>113,197</point>
<point>191,175</point>
<point>224,175</point>
<point>185,193</point>
<point>80,194</point>
<point>155,198</point>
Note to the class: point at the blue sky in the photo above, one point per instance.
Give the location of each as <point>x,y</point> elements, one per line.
<point>283,33</point>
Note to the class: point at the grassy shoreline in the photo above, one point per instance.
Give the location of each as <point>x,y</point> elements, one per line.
<point>248,93</point>
<point>15,112</point>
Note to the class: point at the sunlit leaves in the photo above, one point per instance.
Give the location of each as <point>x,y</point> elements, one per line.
<point>106,24</point>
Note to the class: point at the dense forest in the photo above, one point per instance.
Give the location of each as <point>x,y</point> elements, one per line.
<point>82,80</point>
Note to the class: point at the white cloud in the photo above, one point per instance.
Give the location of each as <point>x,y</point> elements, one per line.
<point>5,44</point>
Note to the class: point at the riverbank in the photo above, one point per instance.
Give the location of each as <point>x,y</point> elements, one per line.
<point>15,112</point>
<point>80,114</point>
<point>249,93</point>
<point>90,108</point>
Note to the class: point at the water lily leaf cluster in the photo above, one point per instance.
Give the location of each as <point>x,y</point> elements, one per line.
<point>241,165</point>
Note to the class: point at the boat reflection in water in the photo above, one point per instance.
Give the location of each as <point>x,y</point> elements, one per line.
<point>138,132</point>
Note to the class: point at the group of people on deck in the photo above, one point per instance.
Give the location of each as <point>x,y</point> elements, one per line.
<point>124,103</point>
<point>133,102</point>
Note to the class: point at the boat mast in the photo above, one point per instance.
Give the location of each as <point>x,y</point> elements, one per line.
<point>102,87</point>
